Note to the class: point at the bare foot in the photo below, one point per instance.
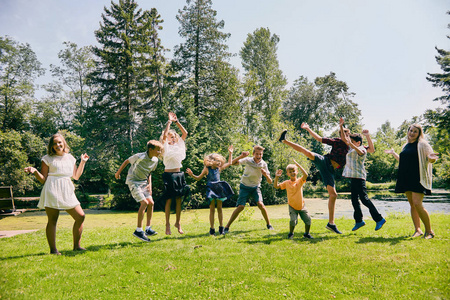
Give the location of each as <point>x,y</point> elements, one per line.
<point>56,252</point>
<point>180,231</point>
<point>79,249</point>
<point>417,234</point>
<point>168,232</point>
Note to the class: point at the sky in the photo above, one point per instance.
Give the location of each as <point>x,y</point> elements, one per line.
<point>382,49</point>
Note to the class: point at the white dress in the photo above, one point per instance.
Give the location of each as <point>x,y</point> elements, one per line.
<point>58,191</point>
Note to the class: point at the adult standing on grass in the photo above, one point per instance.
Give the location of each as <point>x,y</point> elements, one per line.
<point>174,181</point>
<point>58,193</point>
<point>414,177</point>
<point>139,181</point>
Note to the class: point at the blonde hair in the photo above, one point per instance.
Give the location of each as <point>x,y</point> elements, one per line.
<point>50,150</point>
<point>258,148</point>
<point>170,131</point>
<point>291,167</point>
<point>211,158</point>
<point>418,126</point>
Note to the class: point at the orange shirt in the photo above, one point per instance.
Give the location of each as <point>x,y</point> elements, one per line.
<point>294,191</point>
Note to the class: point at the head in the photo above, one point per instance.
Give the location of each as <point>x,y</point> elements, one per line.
<point>258,152</point>
<point>292,171</point>
<point>57,143</point>
<point>172,137</point>
<point>415,132</point>
<point>356,138</point>
<point>214,160</point>
<point>154,148</point>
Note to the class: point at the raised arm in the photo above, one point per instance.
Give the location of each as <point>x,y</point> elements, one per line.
<point>122,166</point>
<point>230,159</point>
<point>349,142</point>
<point>341,128</point>
<point>305,174</point>
<point>236,160</point>
<point>202,174</point>
<point>78,171</point>
<point>391,151</point>
<point>173,118</point>
<point>371,148</point>
<point>311,132</point>
<point>275,181</point>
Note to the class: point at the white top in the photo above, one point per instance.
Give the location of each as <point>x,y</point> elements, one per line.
<point>141,167</point>
<point>58,191</point>
<point>252,174</point>
<point>174,154</point>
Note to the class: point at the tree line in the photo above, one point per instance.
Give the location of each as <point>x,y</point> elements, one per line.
<point>109,100</point>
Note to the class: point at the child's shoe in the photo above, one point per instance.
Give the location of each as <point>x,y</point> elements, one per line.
<point>333,228</point>
<point>225,230</point>
<point>291,236</point>
<point>212,231</point>
<point>380,224</point>
<point>270,227</point>
<point>220,229</point>
<point>141,235</point>
<point>307,236</point>
<point>282,136</point>
<point>149,232</point>
<point>359,225</point>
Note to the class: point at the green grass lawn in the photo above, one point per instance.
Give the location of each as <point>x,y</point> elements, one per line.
<point>250,262</point>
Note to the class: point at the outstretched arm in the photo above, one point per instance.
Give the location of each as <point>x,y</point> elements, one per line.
<point>391,151</point>
<point>230,159</point>
<point>311,132</point>
<point>122,166</point>
<point>202,174</point>
<point>371,148</point>
<point>275,181</point>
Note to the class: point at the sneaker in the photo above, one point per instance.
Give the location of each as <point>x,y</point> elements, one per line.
<point>225,230</point>
<point>141,235</point>
<point>380,224</point>
<point>307,236</point>
<point>150,232</point>
<point>220,229</point>
<point>291,235</point>
<point>282,136</point>
<point>333,228</point>
<point>270,227</point>
<point>359,225</point>
<point>212,231</point>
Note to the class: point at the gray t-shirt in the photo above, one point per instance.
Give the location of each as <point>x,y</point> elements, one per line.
<point>141,167</point>
<point>252,174</point>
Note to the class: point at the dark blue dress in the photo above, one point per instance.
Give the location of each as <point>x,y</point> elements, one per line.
<point>215,188</point>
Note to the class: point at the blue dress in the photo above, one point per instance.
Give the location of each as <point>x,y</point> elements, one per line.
<point>215,188</point>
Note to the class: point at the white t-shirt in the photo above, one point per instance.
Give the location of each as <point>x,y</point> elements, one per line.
<point>252,174</point>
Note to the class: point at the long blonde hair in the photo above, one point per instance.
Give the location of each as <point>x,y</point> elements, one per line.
<point>418,126</point>
<point>211,158</point>
<point>50,150</point>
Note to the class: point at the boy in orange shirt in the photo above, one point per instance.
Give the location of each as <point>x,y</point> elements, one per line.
<point>294,189</point>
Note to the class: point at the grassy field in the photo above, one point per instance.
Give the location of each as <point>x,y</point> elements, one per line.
<point>250,262</point>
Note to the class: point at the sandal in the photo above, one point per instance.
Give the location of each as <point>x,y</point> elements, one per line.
<point>417,234</point>
<point>428,235</point>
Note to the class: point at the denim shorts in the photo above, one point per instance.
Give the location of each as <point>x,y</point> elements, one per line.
<point>323,164</point>
<point>245,192</point>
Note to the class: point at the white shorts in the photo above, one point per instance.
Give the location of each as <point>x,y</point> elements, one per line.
<point>139,191</point>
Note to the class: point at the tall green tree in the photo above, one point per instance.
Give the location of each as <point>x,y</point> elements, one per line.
<point>19,67</point>
<point>264,82</point>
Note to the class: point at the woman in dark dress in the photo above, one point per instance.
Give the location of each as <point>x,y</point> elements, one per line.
<point>415,176</point>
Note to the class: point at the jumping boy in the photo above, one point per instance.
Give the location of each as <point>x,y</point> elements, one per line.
<point>255,168</point>
<point>325,164</point>
<point>294,189</point>
<point>139,181</point>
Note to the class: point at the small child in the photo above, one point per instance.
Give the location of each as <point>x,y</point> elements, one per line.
<point>139,181</point>
<point>216,190</point>
<point>58,193</point>
<point>255,168</point>
<point>294,189</point>
<point>354,169</point>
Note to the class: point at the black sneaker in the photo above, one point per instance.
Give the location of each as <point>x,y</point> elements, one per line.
<point>307,236</point>
<point>270,227</point>
<point>141,235</point>
<point>212,231</point>
<point>291,235</point>
<point>220,229</point>
<point>282,136</point>
<point>150,232</point>
<point>333,228</point>
<point>225,230</point>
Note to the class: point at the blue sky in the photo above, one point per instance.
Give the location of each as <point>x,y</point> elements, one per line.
<point>382,49</point>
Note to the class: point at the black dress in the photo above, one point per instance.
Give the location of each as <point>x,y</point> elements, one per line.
<point>408,176</point>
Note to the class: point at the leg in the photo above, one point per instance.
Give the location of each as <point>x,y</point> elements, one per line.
<point>355,192</point>
<point>141,213</point>
<point>167,213</point>
<point>150,205</point>
<point>300,149</point>
<point>212,211</point>
<point>331,203</point>
<point>263,210</point>
<point>77,214</point>
<point>417,199</point>
<point>376,216</point>
<point>234,215</point>
<point>414,215</point>
<point>178,215</point>
<point>219,212</point>
<point>50,230</point>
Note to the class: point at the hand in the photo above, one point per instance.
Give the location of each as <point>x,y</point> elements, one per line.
<point>30,170</point>
<point>173,117</point>
<point>84,157</point>
<point>245,153</point>
<point>149,188</point>
<point>117,175</point>
<point>230,149</point>
<point>304,126</point>
<point>365,132</point>
<point>278,173</point>
<point>189,172</point>
<point>264,172</point>
<point>389,151</point>
<point>341,121</point>
<point>433,156</point>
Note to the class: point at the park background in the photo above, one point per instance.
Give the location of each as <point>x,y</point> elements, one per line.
<point>109,98</point>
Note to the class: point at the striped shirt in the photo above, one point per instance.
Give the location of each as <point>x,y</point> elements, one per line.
<point>354,167</point>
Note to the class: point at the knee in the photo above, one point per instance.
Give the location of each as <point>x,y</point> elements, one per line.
<point>240,208</point>
<point>80,218</point>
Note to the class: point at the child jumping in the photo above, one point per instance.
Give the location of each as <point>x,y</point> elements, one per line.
<point>294,189</point>
<point>174,181</point>
<point>139,181</point>
<point>255,168</point>
<point>216,190</point>
<point>325,164</point>
<point>58,193</point>
<point>355,170</point>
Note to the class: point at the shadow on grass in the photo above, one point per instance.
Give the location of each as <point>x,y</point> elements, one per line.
<point>379,239</point>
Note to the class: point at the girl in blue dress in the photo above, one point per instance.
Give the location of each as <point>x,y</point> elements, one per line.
<point>216,190</point>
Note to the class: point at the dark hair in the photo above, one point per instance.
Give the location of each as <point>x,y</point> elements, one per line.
<point>152,144</point>
<point>356,137</point>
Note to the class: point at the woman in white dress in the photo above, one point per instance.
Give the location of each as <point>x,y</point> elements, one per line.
<point>58,193</point>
